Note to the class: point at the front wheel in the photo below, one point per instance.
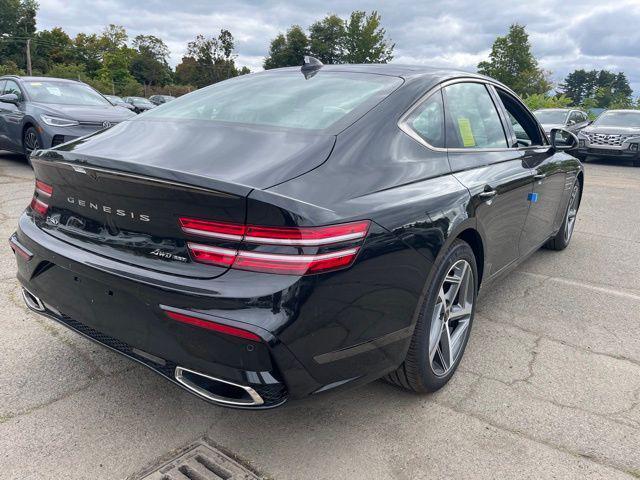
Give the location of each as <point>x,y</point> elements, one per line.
<point>561,240</point>
<point>444,323</point>
<point>30,142</point>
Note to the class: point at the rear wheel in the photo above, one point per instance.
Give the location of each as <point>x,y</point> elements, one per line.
<point>561,240</point>
<point>442,330</point>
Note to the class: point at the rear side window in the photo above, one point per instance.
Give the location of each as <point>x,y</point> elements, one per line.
<point>282,99</point>
<point>428,121</point>
<point>472,118</point>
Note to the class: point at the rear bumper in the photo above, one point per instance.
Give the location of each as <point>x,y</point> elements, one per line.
<point>347,328</point>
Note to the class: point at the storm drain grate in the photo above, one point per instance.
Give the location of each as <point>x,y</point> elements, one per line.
<point>201,462</point>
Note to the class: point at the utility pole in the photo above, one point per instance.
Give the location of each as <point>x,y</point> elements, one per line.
<point>29,57</point>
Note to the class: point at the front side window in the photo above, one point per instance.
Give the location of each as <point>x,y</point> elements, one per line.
<point>574,118</point>
<point>64,93</point>
<point>428,121</point>
<point>524,124</point>
<point>12,87</point>
<point>282,99</point>
<point>473,121</point>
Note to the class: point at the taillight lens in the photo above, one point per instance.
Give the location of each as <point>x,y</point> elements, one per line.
<point>351,234</point>
<point>41,196</point>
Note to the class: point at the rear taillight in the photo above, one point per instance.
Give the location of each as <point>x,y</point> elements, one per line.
<point>41,196</point>
<point>335,246</point>
<point>210,325</point>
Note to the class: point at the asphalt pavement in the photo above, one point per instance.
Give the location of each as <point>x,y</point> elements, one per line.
<point>549,386</point>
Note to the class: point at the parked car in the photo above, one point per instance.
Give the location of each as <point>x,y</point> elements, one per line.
<point>139,104</point>
<point>119,102</point>
<point>567,118</point>
<point>42,112</point>
<point>160,99</point>
<point>280,235</point>
<point>614,134</point>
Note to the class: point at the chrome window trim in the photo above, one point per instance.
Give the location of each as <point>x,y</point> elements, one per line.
<point>406,128</point>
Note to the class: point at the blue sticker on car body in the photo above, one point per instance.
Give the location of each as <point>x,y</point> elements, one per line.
<point>532,197</point>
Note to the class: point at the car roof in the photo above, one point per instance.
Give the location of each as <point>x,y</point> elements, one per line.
<point>555,109</point>
<point>393,69</point>
<point>39,79</point>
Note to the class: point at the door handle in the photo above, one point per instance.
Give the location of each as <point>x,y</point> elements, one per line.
<point>488,194</point>
<point>539,176</point>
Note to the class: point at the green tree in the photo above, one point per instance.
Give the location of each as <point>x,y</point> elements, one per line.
<point>326,39</point>
<point>365,40</point>
<point>579,85</point>
<point>17,23</point>
<point>208,60</point>
<point>512,63</point>
<point>50,48</point>
<point>536,101</point>
<point>289,50</point>
<point>10,68</point>
<point>149,65</point>
<point>598,89</point>
<point>87,52</point>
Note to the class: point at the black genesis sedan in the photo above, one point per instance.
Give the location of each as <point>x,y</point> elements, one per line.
<point>287,233</point>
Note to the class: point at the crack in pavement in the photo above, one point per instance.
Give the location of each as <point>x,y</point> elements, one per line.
<point>21,413</point>
<point>602,461</point>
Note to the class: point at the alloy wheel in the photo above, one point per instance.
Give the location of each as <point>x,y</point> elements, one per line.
<point>31,141</point>
<point>451,317</point>
<point>572,212</point>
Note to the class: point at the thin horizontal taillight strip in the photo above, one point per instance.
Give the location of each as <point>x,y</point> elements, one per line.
<point>293,236</point>
<point>44,189</point>
<point>271,262</point>
<point>210,325</point>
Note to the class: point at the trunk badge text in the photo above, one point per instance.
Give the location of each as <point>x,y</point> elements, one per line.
<point>142,217</point>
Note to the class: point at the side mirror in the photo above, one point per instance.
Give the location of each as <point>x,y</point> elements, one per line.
<point>9,98</point>
<point>563,140</point>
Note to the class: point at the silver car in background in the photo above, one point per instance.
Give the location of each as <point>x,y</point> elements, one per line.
<point>570,119</point>
<point>615,133</point>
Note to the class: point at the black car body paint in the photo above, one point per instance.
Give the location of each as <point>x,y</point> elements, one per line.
<point>96,272</point>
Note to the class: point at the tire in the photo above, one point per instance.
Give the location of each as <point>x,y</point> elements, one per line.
<point>562,239</point>
<point>418,373</point>
<point>582,158</point>
<point>30,142</point>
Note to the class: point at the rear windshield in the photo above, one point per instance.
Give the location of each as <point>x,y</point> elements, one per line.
<point>282,99</point>
<point>64,93</point>
<point>551,116</point>
<point>618,119</point>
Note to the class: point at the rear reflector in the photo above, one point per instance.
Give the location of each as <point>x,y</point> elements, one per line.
<point>209,325</point>
<point>18,249</point>
<point>294,236</point>
<point>41,196</point>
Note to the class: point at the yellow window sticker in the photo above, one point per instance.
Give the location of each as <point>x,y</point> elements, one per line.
<point>466,133</point>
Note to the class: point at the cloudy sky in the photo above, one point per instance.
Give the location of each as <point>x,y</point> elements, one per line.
<point>565,34</point>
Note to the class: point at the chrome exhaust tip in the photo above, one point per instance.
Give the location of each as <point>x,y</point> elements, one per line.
<point>217,390</point>
<point>32,301</point>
